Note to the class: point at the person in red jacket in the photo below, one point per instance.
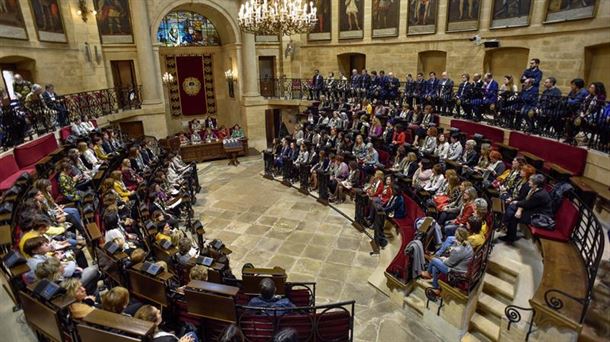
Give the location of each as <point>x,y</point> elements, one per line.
<point>467,210</point>
<point>379,201</point>
<point>399,137</point>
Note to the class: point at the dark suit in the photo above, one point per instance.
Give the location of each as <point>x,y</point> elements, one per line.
<point>317,85</point>
<point>463,97</point>
<point>529,100</point>
<point>535,74</point>
<point>50,100</point>
<point>536,202</point>
<point>409,89</point>
<point>445,93</point>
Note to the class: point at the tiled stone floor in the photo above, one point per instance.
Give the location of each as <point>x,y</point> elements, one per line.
<point>269,224</point>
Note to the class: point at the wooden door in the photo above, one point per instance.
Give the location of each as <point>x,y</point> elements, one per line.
<point>132,129</point>
<point>266,72</point>
<point>272,125</point>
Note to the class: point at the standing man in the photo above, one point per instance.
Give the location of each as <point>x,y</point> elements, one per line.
<point>477,96</point>
<point>365,83</point>
<point>529,99</point>
<point>393,86</point>
<point>462,97</point>
<point>533,72</point>
<point>445,93</point>
<point>431,90</point>
<point>548,107</point>
<point>317,84</point>
<point>420,88</point>
<point>490,95</point>
<point>354,83</point>
<point>409,89</point>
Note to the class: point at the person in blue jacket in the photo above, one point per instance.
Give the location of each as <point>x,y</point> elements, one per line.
<point>533,72</point>
<point>529,100</point>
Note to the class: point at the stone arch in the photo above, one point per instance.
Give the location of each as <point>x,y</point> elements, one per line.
<point>221,18</point>
<point>506,61</point>
<point>432,60</point>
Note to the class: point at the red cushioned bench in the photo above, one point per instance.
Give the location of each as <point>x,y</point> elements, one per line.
<point>571,158</point>
<point>27,155</point>
<point>407,231</point>
<point>471,128</point>
<point>10,171</point>
<point>566,218</point>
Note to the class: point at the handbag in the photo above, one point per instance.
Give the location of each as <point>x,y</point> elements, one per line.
<point>440,201</point>
<point>543,221</point>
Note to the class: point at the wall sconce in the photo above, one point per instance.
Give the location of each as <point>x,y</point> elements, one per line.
<point>84,11</point>
<point>87,52</point>
<point>230,78</point>
<point>98,56</point>
<point>167,78</point>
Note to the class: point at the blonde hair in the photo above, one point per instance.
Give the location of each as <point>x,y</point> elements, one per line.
<point>198,272</point>
<point>48,269</point>
<point>71,285</point>
<point>115,300</point>
<point>378,174</point>
<point>147,313</point>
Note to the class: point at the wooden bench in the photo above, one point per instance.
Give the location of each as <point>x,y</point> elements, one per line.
<point>533,160</point>
<point>559,173</point>
<point>563,271</point>
<point>587,186</point>
<point>508,152</point>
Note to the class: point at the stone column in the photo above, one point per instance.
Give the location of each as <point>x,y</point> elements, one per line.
<point>141,34</point>
<point>249,64</point>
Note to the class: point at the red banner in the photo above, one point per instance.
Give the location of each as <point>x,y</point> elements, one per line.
<point>191,83</point>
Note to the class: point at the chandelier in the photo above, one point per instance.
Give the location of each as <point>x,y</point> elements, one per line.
<point>277,17</point>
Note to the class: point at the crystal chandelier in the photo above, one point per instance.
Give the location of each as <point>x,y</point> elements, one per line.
<point>277,17</point>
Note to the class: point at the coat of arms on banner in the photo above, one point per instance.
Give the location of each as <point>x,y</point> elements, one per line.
<point>191,86</point>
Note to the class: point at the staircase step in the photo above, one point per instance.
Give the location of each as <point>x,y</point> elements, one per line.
<point>491,305</point>
<point>474,336</point>
<point>494,285</point>
<point>507,266</point>
<point>486,327</point>
<point>416,304</point>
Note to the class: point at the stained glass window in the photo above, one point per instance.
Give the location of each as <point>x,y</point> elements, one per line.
<point>183,28</point>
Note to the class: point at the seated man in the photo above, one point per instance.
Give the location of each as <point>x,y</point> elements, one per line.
<point>268,299</point>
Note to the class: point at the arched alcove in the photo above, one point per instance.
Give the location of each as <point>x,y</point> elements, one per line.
<point>11,65</point>
<point>597,68</point>
<point>349,61</point>
<point>428,61</point>
<point>506,61</point>
<point>218,15</point>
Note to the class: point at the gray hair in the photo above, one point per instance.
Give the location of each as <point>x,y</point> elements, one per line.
<point>481,205</point>
<point>471,142</point>
<point>537,179</point>
<point>36,87</point>
<point>471,192</point>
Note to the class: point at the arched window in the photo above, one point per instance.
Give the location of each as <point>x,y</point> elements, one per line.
<point>183,28</point>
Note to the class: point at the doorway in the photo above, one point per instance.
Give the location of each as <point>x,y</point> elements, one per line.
<point>266,74</point>
<point>272,125</point>
<point>124,80</point>
<point>12,65</point>
<point>350,61</point>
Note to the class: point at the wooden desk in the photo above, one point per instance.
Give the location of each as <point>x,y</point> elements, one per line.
<point>533,159</point>
<point>120,322</point>
<point>163,276</point>
<point>590,190</point>
<point>208,151</point>
<point>213,287</point>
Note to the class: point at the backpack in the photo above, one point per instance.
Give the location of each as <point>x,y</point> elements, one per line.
<point>558,192</point>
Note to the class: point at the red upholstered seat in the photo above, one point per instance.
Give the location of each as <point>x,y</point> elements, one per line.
<point>565,221</point>
<point>569,157</point>
<point>65,132</point>
<point>27,155</point>
<point>257,328</point>
<point>303,325</point>
<point>9,171</point>
<point>333,326</point>
<point>407,232</point>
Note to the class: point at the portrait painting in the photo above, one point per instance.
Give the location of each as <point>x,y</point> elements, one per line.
<point>421,18</point>
<point>563,10</point>
<point>351,19</point>
<point>510,13</point>
<point>11,20</point>
<point>385,15</point>
<point>113,21</point>
<point>322,28</point>
<point>463,15</point>
<point>48,20</point>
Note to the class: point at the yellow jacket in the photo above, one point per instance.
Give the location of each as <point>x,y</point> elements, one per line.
<point>477,240</point>
<point>99,152</point>
<point>121,190</point>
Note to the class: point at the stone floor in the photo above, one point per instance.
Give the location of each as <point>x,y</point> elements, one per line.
<point>268,224</point>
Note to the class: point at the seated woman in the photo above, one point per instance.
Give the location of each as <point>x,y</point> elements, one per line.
<point>351,182</point>
<point>422,174</point>
<point>209,135</point>
<point>116,232</point>
<point>429,144</point>
<point>450,194</point>
<point>195,138</point>
<point>186,251</point>
<point>374,187</point>
<point>465,212</point>
<point>359,149</point>
<point>494,168</point>
<point>378,202</point>
<point>99,149</point>
<point>83,303</point>
<point>79,168</point>
<point>537,201</point>
<point>321,166</point>
<point>339,174</point>
<point>67,183</point>
<point>53,209</point>
<point>400,160</point>
<point>88,157</point>
<point>151,314</point>
<point>458,260</point>
<point>223,132</point>
<point>436,181</point>
<point>506,182</point>
<point>371,159</point>
<point>452,209</point>
<point>442,147</point>
<point>476,236</point>
<point>117,300</point>
<point>120,187</point>
<point>129,175</point>
<point>184,140</point>
<point>164,231</point>
<point>411,166</point>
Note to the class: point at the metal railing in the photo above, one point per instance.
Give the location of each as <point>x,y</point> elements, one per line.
<point>584,121</point>
<point>25,118</point>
